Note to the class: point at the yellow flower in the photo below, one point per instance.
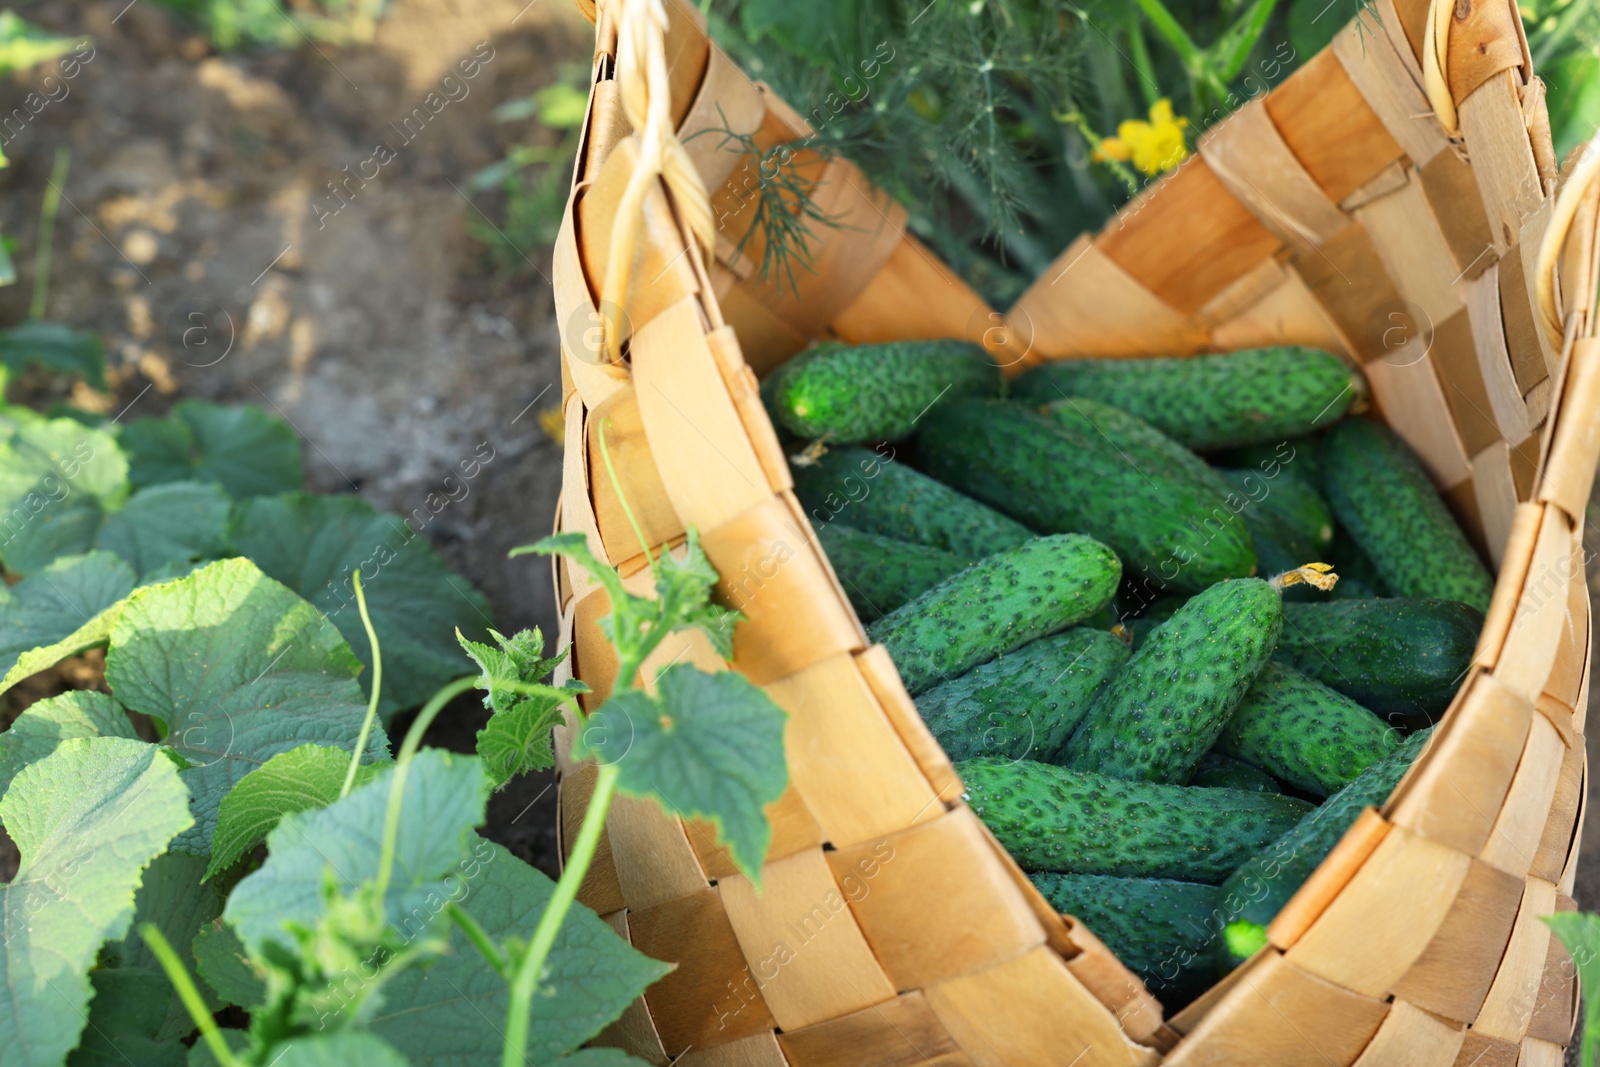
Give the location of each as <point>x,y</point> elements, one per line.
<point>1154,146</point>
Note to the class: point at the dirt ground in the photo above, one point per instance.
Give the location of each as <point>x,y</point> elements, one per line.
<point>200,236</point>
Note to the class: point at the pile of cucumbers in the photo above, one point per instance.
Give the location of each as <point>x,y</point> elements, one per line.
<point>1096,582</point>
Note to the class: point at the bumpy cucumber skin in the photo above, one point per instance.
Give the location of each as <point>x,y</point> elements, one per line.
<point>874,493</point>
<point>1298,458</point>
<point>846,394</point>
<point>1054,819</point>
<point>997,605</point>
<point>1166,707</point>
<point>1284,509</point>
<point>1381,494</point>
<point>1304,733</point>
<point>1402,658</point>
<point>1159,928</point>
<point>1223,772</point>
<point>1141,443</point>
<point>1023,704</point>
<point>879,573</point>
<point>1208,402</point>
<point>1056,480</point>
<point>1262,886</point>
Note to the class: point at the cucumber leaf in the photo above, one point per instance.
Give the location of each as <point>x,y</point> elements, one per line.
<point>171,897</point>
<point>58,479</point>
<point>166,525</point>
<point>517,737</point>
<point>313,544</point>
<point>57,602</point>
<point>237,669</point>
<point>437,1015</point>
<point>220,959</point>
<point>55,345</point>
<point>245,449</point>
<point>40,729</point>
<point>337,1050</point>
<point>86,819</point>
<point>126,1020</point>
<point>200,1055</point>
<point>24,45</point>
<point>443,800</point>
<point>706,746</point>
<point>298,780</point>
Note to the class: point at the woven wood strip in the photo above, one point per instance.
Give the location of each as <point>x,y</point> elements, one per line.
<point>1248,155</point>
<point>1498,798</point>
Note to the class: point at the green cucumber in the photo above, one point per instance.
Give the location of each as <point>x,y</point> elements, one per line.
<point>1255,893</point>
<point>1025,703</point>
<point>846,394</point>
<point>1380,493</point>
<point>1055,819</point>
<point>1401,658</point>
<point>1209,402</point>
<point>1155,613</point>
<point>1162,930</point>
<point>1300,731</point>
<point>1358,578</point>
<point>1165,708</point>
<point>1056,479</point>
<point>879,573</point>
<point>1223,772</point>
<point>874,493</point>
<point>1285,509</point>
<point>1298,458</point>
<point>1140,443</point>
<point>996,605</point>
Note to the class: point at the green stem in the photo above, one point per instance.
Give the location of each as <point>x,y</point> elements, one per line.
<point>531,967</point>
<point>47,229</point>
<point>1242,36</point>
<point>178,975</point>
<point>377,687</point>
<point>1173,32</point>
<point>622,498</point>
<point>1143,67</point>
<point>1546,46</point>
<point>480,938</point>
<point>402,766</point>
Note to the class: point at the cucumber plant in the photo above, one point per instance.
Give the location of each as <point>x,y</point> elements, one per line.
<point>264,853</point>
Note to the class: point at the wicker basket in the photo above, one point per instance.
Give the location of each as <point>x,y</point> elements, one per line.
<point>1399,210</point>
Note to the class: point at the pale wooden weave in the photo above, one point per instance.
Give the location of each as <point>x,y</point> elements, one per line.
<point>1334,211</point>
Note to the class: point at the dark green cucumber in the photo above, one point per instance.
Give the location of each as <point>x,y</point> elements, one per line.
<point>846,394</point>
<point>1162,930</point>
<point>879,573</point>
<point>1157,612</point>
<point>1285,509</point>
<point>1380,492</point>
<point>1301,732</point>
<point>1401,658</point>
<point>1025,703</point>
<point>1054,819</point>
<point>1165,708</point>
<point>1223,772</point>
<point>873,492</point>
<point>1056,479</point>
<point>1141,444</point>
<point>1358,577</point>
<point>1253,895</point>
<point>996,605</point>
<point>1298,458</point>
<point>1209,402</point>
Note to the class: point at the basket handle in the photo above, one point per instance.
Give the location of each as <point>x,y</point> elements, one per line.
<point>1436,60</point>
<point>645,89</point>
<point>1579,185</point>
